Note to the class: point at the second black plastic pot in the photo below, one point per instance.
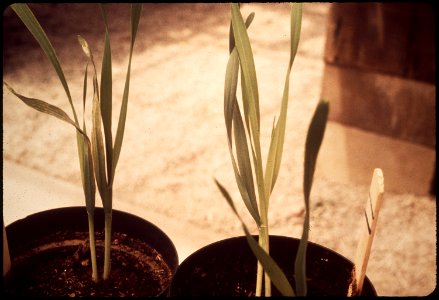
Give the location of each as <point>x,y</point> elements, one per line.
<point>228,268</point>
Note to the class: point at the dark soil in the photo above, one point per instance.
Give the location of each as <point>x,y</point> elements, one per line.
<point>239,279</point>
<point>56,268</point>
<point>228,268</point>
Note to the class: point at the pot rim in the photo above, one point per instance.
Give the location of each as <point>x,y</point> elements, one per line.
<point>75,217</point>
<point>215,246</point>
<point>275,236</point>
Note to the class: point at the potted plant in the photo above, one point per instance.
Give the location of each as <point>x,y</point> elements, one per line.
<point>122,241</point>
<point>247,265</point>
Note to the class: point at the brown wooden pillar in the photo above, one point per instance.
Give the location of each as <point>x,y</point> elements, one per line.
<point>379,76</point>
<point>380,69</point>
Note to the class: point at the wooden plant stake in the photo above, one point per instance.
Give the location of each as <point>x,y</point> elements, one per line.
<point>367,233</point>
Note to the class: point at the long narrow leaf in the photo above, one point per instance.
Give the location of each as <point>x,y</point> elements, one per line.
<point>28,18</point>
<point>82,140</point>
<point>250,89</point>
<point>244,176</point>
<point>106,94</point>
<point>231,102</point>
<point>243,158</point>
<point>228,198</point>
<point>273,270</point>
<point>232,74</point>
<point>84,93</point>
<point>248,68</point>
<point>250,98</point>
<point>314,139</point>
<point>85,155</point>
<point>45,107</point>
<point>278,134</point>
<point>270,266</point>
<point>135,18</point>
<point>296,27</point>
<point>89,180</point>
<point>248,21</point>
<point>98,151</point>
<point>136,11</point>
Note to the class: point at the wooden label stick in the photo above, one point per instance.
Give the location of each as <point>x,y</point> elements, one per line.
<point>367,232</point>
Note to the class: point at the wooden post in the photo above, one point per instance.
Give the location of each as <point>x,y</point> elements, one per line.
<point>367,232</point>
<point>380,69</point>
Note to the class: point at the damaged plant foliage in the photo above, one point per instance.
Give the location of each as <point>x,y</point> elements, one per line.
<point>256,183</point>
<point>98,154</point>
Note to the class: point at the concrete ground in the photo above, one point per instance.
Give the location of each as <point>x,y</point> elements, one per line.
<point>175,142</point>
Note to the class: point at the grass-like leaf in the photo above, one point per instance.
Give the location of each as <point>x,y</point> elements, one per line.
<point>106,95</point>
<point>136,10</point>
<point>233,119</point>
<point>250,99</point>
<point>97,138</point>
<point>314,139</point>
<point>45,107</point>
<point>278,134</point>
<point>97,157</point>
<point>249,81</point>
<point>88,183</point>
<point>270,266</point>
<point>98,150</point>
<point>248,132</point>
<point>245,168</point>
<point>273,270</point>
<point>34,27</point>
<point>248,21</point>
<point>250,95</point>
<point>86,164</point>
<point>83,142</point>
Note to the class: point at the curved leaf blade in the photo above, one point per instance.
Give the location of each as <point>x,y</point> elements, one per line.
<point>87,175</point>
<point>233,119</point>
<point>314,139</point>
<point>136,10</point>
<point>28,18</point>
<point>251,97</point>
<point>45,107</point>
<point>249,82</point>
<point>278,133</point>
<point>277,276</point>
<point>106,96</point>
<point>85,159</point>
<point>270,266</point>
<point>99,152</point>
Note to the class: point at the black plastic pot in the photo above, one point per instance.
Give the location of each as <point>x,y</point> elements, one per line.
<point>27,232</point>
<point>228,268</point>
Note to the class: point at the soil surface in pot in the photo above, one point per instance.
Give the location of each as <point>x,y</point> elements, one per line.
<point>240,281</point>
<point>228,268</point>
<point>60,265</point>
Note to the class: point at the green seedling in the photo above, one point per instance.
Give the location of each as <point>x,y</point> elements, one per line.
<point>243,133</point>
<point>98,155</point>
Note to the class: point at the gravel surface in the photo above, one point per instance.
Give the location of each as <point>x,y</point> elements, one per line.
<point>175,140</point>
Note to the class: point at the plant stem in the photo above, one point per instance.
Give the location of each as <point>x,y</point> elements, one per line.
<point>264,237</point>
<point>107,261</point>
<point>91,232</point>
<point>264,243</point>
<point>259,273</point>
